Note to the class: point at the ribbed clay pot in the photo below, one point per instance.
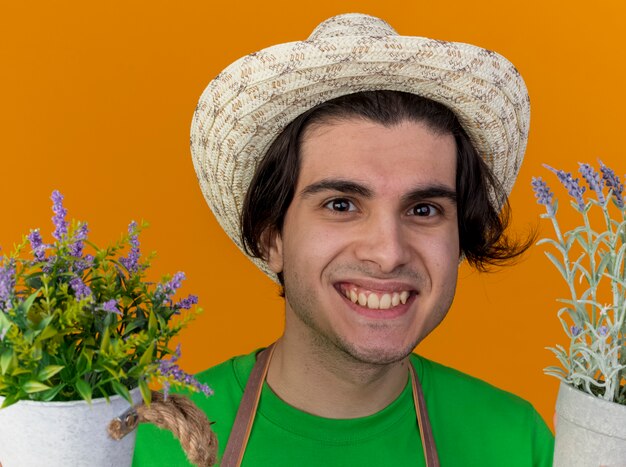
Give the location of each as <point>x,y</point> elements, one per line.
<point>62,434</point>
<point>589,431</point>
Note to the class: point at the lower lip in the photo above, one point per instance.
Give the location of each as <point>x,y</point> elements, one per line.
<point>390,313</point>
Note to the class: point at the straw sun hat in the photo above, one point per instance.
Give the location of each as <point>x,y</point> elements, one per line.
<point>247,105</point>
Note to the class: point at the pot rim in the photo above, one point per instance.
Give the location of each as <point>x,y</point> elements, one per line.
<point>97,401</point>
<point>592,413</point>
<point>590,397</point>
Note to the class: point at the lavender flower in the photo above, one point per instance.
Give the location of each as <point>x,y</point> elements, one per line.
<point>170,369</point>
<point>110,306</point>
<point>576,331</point>
<point>603,331</point>
<point>58,219</point>
<point>165,291</point>
<point>543,194</point>
<point>571,184</point>
<point>37,245</point>
<point>7,285</point>
<point>76,248</point>
<point>612,182</point>
<point>593,180</point>
<point>82,264</point>
<point>186,303</point>
<point>132,261</point>
<point>47,267</point>
<point>81,289</point>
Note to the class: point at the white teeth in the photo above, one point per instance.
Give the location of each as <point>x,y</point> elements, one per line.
<point>353,296</point>
<point>404,296</point>
<point>372,301</point>
<point>362,299</point>
<point>395,299</point>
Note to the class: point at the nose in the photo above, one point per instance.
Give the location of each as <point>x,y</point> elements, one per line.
<point>384,241</point>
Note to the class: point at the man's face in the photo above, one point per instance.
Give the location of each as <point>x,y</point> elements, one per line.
<point>369,248</point>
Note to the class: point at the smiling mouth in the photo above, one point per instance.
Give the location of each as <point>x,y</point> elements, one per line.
<point>374,300</point>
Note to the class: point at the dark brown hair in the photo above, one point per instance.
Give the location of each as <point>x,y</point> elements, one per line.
<point>481,225</point>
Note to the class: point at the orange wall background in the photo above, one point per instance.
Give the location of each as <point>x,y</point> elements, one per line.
<point>97,100</point>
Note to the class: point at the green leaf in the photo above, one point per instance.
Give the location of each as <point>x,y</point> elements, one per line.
<point>44,323</point>
<point>136,371</point>
<point>34,280</point>
<point>26,304</point>
<point>106,341</point>
<point>122,390</point>
<point>10,400</point>
<point>5,360</point>
<point>136,323</point>
<point>47,333</point>
<point>5,324</point>
<point>84,389</point>
<point>49,371</point>
<point>19,371</point>
<point>553,243</point>
<point>83,365</point>
<point>152,324</point>
<point>558,265</point>
<point>34,386</point>
<point>146,394</point>
<point>52,393</point>
<point>148,355</point>
<point>619,259</point>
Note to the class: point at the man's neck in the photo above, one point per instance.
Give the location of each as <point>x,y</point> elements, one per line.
<point>324,381</point>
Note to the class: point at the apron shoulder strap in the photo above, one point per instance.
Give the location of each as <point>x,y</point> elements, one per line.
<point>247,410</point>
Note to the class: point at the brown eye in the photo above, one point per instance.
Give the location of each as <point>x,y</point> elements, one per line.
<point>423,210</point>
<point>340,205</point>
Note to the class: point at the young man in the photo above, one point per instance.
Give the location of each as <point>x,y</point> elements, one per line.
<point>357,168</point>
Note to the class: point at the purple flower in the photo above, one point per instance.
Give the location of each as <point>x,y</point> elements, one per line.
<point>170,369</point>
<point>186,303</point>
<point>47,267</point>
<point>603,330</point>
<point>593,180</point>
<point>110,306</point>
<point>58,219</point>
<point>82,264</point>
<point>7,285</point>
<point>612,182</point>
<point>576,331</point>
<point>76,248</point>
<point>37,245</point>
<point>81,290</point>
<point>131,263</point>
<point>543,194</point>
<point>571,184</point>
<point>165,291</point>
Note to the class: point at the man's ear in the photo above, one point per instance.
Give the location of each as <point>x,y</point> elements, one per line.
<point>273,248</point>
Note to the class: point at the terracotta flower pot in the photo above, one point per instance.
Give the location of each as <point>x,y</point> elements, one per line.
<point>57,434</point>
<point>589,431</point>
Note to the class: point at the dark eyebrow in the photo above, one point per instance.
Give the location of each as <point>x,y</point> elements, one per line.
<point>430,192</point>
<point>342,186</point>
<point>350,187</point>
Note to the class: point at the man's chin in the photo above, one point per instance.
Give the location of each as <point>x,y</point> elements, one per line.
<point>378,355</point>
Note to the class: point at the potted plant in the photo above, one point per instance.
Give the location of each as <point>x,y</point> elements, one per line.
<point>82,335</point>
<point>591,406</point>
